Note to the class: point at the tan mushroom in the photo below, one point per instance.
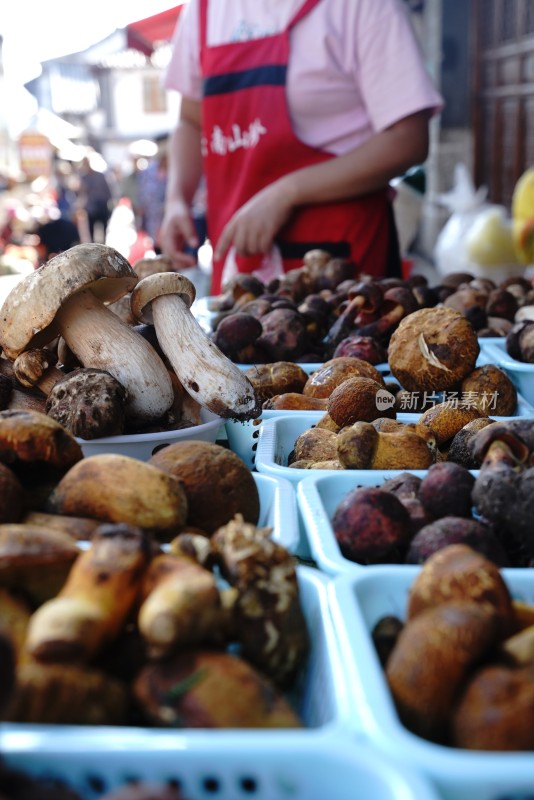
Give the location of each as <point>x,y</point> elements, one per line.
<point>68,296</point>
<point>433,349</point>
<point>445,420</point>
<point>164,300</point>
<point>361,446</point>
<point>120,489</point>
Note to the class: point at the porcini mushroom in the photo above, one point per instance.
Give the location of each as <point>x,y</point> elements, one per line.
<point>361,446</point>
<point>121,489</point>
<point>164,300</point>
<point>36,368</point>
<point>67,296</point>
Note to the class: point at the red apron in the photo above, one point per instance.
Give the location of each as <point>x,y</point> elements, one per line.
<point>248,142</point>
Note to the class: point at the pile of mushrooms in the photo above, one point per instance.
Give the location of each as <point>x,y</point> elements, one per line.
<point>460,667</point>
<point>121,381</point>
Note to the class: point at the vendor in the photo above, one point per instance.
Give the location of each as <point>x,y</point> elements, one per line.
<point>298,113</point>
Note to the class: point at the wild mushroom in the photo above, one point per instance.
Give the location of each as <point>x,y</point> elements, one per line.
<point>491,390</point>
<point>36,368</point>
<point>38,450</point>
<point>90,403</point>
<point>360,399</point>
<point>361,446</point>
<point>371,526</point>
<point>364,305</point>
<point>164,300</point>
<point>433,349</point>
<point>433,655</point>
<point>120,489</point>
<point>397,303</point>
<point>67,296</point>
<point>324,380</point>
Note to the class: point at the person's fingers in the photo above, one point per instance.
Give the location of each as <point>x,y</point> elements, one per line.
<point>222,246</point>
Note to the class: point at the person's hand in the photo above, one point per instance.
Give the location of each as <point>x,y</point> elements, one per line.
<point>253,227</point>
<point>178,231</point>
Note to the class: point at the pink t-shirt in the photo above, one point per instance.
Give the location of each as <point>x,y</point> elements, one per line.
<point>355,66</point>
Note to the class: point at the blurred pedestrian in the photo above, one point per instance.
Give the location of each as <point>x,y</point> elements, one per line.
<point>95,199</point>
<point>152,185</point>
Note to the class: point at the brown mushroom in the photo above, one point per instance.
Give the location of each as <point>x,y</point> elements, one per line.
<point>271,627</point>
<point>444,420</point>
<point>495,711</point>
<point>36,368</point>
<point>121,489</point>
<point>431,660</point>
<point>457,572</point>
<point>361,446</point>
<point>315,444</point>
<point>433,349</point>
<point>216,482</point>
<point>324,380</point>
<point>277,378</point>
<point>489,389</point>
<point>90,403</point>
<point>35,560</point>
<point>371,526</point>
<point>360,399</point>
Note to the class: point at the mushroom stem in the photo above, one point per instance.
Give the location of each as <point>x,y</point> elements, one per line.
<point>100,339</point>
<point>205,372</point>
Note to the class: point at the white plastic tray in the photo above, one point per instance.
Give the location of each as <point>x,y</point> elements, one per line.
<point>231,767</point>
<point>312,763</point>
<point>277,436</point>
<point>143,445</point>
<point>520,373</point>
<point>278,509</point>
<point>358,602</point>
<point>318,498</point>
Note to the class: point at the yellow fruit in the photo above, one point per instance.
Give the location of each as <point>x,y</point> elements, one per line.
<point>523,233</point>
<point>523,196</point>
<point>523,217</point>
<point>489,241</point>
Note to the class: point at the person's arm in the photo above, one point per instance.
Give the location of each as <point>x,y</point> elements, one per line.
<point>365,169</point>
<point>184,174</point>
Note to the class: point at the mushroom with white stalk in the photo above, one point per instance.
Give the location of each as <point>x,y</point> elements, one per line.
<point>164,300</point>
<point>67,296</point>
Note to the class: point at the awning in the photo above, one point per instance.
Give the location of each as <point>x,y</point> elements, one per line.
<point>145,34</point>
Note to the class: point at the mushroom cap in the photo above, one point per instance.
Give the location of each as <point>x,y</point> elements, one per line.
<point>432,657</point>
<point>36,559</point>
<point>360,399</point>
<point>30,436</point>
<point>217,482</point>
<point>433,349</point>
<point>153,286</point>
<point>324,380</point>
<point>30,366</point>
<point>90,403</point>
<point>28,312</point>
<point>457,572</point>
<point>495,711</point>
<point>116,488</point>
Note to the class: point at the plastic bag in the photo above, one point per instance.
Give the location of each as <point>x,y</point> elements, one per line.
<point>477,237</point>
<point>465,203</point>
